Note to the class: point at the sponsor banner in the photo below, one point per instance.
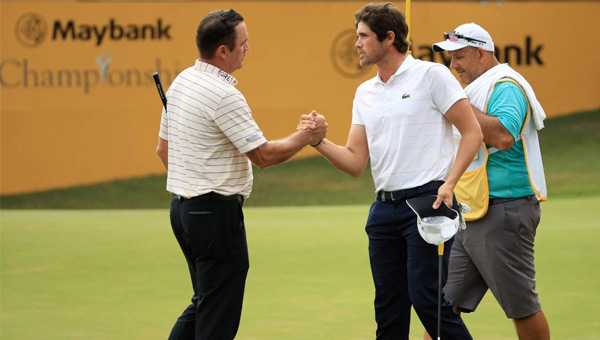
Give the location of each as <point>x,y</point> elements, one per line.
<point>79,106</point>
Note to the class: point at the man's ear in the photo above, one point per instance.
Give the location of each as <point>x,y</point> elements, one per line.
<point>222,52</point>
<point>390,38</point>
<point>480,53</point>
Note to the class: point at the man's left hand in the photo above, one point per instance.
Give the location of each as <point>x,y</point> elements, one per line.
<point>445,194</point>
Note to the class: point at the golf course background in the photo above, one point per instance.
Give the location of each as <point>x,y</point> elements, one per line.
<point>118,274</point>
<point>100,262</point>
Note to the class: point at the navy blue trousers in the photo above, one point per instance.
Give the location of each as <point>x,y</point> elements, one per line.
<point>211,233</point>
<point>405,272</point>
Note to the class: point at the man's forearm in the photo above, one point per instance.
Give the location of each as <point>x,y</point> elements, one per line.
<point>279,151</point>
<point>467,149</point>
<point>494,133</point>
<point>165,162</point>
<point>343,158</point>
<point>463,118</point>
<point>162,150</point>
<point>310,131</point>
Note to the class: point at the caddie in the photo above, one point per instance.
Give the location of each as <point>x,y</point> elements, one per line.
<point>503,185</point>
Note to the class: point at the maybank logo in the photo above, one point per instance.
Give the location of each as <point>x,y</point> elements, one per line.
<point>32,29</point>
<point>344,55</point>
<point>70,30</point>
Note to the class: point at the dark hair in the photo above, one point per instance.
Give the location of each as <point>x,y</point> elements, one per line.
<point>216,29</point>
<point>383,18</point>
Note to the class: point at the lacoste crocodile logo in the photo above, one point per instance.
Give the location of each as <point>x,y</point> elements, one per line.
<point>406,95</point>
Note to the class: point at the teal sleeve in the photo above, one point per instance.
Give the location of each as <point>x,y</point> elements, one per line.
<point>509,104</point>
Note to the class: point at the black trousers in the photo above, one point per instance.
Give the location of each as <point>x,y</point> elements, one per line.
<point>405,270</point>
<point>211,233</point>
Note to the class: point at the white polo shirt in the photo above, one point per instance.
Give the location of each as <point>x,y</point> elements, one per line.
<point>410,141</point>
<point>209,127</point>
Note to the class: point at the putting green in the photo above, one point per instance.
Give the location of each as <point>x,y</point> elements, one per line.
<point>118,274</point>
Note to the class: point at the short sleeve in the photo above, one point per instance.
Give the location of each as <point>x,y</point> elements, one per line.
<point>509,104</point>
<point>445,89</point>
<point>356,117</point>
<point>163,132</point>
<point>234,117</point>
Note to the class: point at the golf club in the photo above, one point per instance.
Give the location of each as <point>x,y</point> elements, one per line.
<point>439,311</point>
<point>159,87</point>
<point>435,226</point>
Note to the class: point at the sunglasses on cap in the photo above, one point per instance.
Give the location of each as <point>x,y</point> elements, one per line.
<point>455,36</point>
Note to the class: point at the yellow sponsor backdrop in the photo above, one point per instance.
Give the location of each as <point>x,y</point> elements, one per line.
<point>77,109</point>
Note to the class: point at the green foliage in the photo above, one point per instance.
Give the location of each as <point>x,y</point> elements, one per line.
<point>119,274</point>
<point>571,151</point>
<point>569,147</point>
<point>311,181</point>
<point>137,193</point>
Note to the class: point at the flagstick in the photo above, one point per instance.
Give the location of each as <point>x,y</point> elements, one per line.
<point>408,18</point>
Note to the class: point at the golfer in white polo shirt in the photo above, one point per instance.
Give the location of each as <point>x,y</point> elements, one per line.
<point>402,120</point>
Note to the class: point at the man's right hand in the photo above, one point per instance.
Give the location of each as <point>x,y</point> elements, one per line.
<point>315,125</point>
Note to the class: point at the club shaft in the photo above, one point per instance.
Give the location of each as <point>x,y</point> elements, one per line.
<point>439,311</point>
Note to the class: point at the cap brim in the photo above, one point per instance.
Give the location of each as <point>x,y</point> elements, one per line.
<point>422,206</point>
<point>448,46</point>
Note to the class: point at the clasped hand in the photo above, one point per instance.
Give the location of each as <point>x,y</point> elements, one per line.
<point>314,126</point>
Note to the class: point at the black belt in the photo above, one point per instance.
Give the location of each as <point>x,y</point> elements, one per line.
<point>504,200</point>
<point>211,196</point>
<point>399,195</point>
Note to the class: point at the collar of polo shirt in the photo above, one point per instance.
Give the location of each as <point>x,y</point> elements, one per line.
<point>224,76</point>
<point>408,61</point>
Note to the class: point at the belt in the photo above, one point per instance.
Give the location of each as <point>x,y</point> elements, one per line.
<point>211,196</point>
<point>504,200</point>
<point>399,195</point>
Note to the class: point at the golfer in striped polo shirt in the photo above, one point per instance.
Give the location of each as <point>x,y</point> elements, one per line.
<point>207,141</point>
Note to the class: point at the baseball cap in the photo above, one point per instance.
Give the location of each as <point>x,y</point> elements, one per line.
<point>435,226</point>
<point>466,35</point>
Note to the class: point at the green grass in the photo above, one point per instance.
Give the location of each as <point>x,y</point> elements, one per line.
<point>571,152</point>
<point>118,274</point>
<point>569,146</point>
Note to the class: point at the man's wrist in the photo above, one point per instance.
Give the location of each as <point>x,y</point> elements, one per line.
<point>319,143</point>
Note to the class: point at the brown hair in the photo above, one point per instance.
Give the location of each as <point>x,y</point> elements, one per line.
<point>383,18</point>
<point>216,29</point>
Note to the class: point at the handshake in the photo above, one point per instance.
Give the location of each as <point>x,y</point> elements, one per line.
<point>314,127</point>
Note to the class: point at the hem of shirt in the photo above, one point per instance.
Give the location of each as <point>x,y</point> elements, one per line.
<point>253,146</point>
<point>206,191</point>
<point>452,101</point>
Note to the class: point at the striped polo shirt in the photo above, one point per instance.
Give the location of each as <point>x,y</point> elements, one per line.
<point>209,128</point>
<point>410,141</point>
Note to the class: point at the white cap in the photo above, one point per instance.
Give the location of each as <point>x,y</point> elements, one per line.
<point>435,226</point>
<point>466,35</point>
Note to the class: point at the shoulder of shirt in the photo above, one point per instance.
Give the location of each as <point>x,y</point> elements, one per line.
<point>426,67</point>
<point>187,70</point>
<point>433,71</point>
<point>509,86</point>
<point>367,83</point>
<point>429,65</point>
<point>226,88</point>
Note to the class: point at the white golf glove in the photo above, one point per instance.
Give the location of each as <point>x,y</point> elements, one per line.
<point>463,208</point>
